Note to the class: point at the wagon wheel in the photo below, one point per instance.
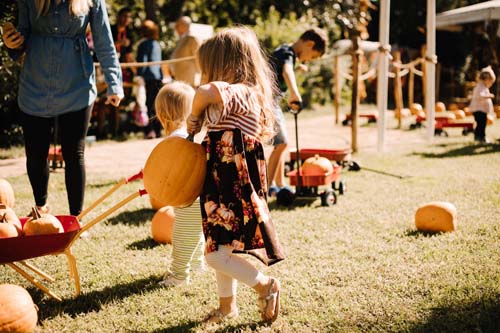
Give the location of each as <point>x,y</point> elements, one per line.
<point>285,197</point>
<point>328,198</point>
<point>342,187</point>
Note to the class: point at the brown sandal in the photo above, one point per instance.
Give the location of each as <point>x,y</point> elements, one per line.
<point>265,301</point>
<point>216,316</point>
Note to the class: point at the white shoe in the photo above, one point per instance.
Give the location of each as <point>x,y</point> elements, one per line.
<point>171,281</point>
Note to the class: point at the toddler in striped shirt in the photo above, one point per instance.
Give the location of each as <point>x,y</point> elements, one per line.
<point>173,105</point>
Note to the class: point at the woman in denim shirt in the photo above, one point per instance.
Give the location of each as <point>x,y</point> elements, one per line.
<point>57,84</point>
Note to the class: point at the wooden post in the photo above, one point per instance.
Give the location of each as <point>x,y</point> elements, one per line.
<point>356,57</point>
<point>398,90</point>
<point>336,87</point>
<point>423,50</point>
<point>411,88</point>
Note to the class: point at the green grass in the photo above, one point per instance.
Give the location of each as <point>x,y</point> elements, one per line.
<point>359,266</point>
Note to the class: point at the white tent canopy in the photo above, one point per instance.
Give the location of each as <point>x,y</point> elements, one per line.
<point>485,11</point>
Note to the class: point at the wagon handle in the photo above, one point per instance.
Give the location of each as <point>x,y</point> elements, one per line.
<point>109,192</point>
<point>108,212</point>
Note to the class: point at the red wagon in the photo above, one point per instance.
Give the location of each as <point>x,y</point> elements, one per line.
<point>15,251</point>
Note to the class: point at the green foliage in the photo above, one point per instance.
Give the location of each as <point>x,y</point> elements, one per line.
<point>10,130</point>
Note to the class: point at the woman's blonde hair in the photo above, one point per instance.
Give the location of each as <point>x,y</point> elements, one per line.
<point>234,55</point>
<point>76,7</point>
<point>173,105</point>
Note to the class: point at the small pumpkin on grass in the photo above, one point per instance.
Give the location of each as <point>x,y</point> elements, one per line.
<point>162,225</point>
<point>18,313</point>
<point>42,224</point>
<point>436,216</point>
<point>6,193</point>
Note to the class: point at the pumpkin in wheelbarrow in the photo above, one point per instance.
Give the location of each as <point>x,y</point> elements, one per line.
<point>42,224</point>
<point>6,193</point>
<point>18,313</point>
<point>175,171</point>
<point>7,215</point>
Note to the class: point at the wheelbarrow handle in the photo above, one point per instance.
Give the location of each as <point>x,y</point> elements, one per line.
<point>111,210</point>
<point>124,181</point>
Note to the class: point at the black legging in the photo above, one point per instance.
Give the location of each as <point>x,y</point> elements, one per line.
<point>480,130</point>
<point>152,88</point>
<point>38,135</point>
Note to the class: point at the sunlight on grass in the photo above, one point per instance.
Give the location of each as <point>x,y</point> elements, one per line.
<point>359,266</point>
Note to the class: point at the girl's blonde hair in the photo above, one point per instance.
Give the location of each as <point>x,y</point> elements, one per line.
<point>76,7</point>
<point>173,105</point>
<point>234,55</point>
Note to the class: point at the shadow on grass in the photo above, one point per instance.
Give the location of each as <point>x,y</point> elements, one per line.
<point>105,184</point>
<point>93,301</point>
<point>417,233</point>
<point>143,244</point>
<point>473,149</point>
<point>298,202</point>
<point>136,218</point>
<point>481,315</point>
<point>189,327</point>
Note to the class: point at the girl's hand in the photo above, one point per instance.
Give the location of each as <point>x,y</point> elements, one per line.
<point>11,37</point>
<point>113,100</point>
<point>193,124</point>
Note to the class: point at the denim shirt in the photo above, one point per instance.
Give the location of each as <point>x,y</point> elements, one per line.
<point>58,72</point>
<point>149,50</point>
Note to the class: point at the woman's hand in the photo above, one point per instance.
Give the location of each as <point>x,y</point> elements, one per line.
<point>11,37</point>
<point>113,100</point>
<point>193,124</point>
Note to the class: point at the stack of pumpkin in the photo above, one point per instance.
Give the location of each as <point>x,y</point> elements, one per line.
<point>11,226</point>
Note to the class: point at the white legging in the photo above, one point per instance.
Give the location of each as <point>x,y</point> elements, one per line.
<point>231,268</point>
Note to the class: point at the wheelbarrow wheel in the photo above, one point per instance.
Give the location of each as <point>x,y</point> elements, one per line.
<point>285,197</point>
<point>328,198</point>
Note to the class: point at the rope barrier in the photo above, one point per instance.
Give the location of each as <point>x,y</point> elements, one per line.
<point>151,63</point>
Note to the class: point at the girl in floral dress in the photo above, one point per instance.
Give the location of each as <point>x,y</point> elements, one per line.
<point>236,102</point>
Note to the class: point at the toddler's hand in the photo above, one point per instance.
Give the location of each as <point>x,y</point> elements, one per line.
<point>193,124</point>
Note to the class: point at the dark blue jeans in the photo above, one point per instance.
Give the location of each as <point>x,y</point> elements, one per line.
<point>38,135</point>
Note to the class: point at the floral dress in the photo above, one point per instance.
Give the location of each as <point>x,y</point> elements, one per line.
<point>234,198</point>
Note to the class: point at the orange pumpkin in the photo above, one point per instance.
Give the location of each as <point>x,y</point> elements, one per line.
<point>416,108</point>
<point>9,216</point>
<point>155,204</point>
<point>7,230</point>
<point>436,216</point>
<point>317,165</point>
<point>18,313</point>
<point>440,107</point>
<point>6,193</point>
<point>42,224</point>
<point>459,114</point>
<point>453,107</point>
<point>175,171</point>
<point>490,119</point>
<point>162,225</point>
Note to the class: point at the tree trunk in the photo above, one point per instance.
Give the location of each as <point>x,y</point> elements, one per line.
<point>150,8</point>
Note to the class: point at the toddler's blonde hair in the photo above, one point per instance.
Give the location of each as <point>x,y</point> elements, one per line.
<point>173,105</point>
<point>234,55</point>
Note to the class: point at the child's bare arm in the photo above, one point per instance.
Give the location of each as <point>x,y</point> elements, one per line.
<point>205,95</point>
<point>291,83</point>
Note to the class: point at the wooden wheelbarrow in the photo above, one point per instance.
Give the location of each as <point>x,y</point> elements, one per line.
<point>15,251</point>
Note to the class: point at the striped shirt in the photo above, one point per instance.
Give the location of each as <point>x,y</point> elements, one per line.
<point>240,108</point>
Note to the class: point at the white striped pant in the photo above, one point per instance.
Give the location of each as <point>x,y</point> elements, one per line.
<point>188,241</point>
